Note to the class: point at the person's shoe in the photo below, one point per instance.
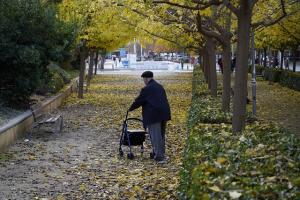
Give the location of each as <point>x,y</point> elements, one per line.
<point>152,155</point>
<point>158,159</point>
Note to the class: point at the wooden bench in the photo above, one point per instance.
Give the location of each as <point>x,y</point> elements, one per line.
<point>56,121</point>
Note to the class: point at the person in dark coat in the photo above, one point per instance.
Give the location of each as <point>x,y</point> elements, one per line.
<point>220,63</point>
<point>155,111</point>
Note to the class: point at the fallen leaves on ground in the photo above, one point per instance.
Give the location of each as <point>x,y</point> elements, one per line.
<point>83,162</point>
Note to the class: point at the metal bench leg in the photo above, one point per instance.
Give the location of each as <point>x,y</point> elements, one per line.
<point>61,124</point>
<point>30,133</point>
<point>58,125</point>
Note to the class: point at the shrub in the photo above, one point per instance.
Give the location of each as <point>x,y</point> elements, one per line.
<point>290,79</point>
<point>55,80</point>
<point>259,69</point>
<point>56,83</point>
<point>263,162</point>
<point>284,77</point>
<point>206,109</point>
<point>272,74</point>
<point>54,68</point>
<point>31,35</point>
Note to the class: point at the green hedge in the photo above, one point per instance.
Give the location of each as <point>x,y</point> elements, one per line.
<point>54,68</point>
<point>205,108</point>
<point>271,74</point>
<point>263,162</point>
<point>290,79</point>
<point>259,69</point>
<point>31,35</point>
<point>284,77</point>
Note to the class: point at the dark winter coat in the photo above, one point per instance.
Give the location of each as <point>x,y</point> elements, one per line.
<point>154,102</point>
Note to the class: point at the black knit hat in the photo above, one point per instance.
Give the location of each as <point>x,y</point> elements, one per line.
<point>147,74</point>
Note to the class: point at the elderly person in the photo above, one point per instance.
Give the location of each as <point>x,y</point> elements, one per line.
<point>155,112</point>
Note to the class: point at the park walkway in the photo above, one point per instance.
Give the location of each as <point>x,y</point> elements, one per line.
<point>278,104</point>
<point>83,162</point>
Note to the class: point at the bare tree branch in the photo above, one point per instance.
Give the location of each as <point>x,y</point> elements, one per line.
<point>289,32</point>
<point>266,23</point>
<point>127,21</point>
<point>201,5</point>
<point>207,32</point>
<point>231,7</point>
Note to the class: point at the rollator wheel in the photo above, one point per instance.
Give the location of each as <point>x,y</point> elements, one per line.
<point>121,153</point>
<point>142,150</point>
<point>130,156</point>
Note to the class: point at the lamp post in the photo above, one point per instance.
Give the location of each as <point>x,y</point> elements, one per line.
<point>253,75</point>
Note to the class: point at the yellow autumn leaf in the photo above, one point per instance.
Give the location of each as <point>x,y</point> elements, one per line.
<point>221,160</point>
<point>82,187</point>
<point>215,188</point>
<point>60,197</point>
<point>31,157</point>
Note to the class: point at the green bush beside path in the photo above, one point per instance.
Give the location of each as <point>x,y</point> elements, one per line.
<point>263,162</point>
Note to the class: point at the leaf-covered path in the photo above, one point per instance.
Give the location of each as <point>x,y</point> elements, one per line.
<point>278,104</point>
<point>83,162</point>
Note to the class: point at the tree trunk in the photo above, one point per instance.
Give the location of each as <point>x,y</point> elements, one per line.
<point>226,59</point>
<point>212,65</point>
<point>96,62</point>
<point>102,62</point>
<point>265,57</point>
<point>241,75</point>
<point>275,59</point>
<point>90,71</point>
<point>259,56</point>
<point>226,66</point>
<point>281,59</point>
<point>206,67</point>
<point>294,59</point>
<point>82,72</point>
<point>270,56</point>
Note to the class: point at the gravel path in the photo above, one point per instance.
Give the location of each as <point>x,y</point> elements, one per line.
<point>83,162</point>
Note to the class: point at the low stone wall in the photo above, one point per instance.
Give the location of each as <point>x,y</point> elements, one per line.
<point>18,126</point>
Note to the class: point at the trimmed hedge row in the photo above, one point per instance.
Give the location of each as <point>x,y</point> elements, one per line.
<point>205,108</point>
<point>284,77</point>
<point>263,162</point>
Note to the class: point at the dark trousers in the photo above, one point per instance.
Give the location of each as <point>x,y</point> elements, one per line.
<point>157,135</point>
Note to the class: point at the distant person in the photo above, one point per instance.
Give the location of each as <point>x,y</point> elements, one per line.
<point>220,63</point>
<point>233,64</point>
<point>276,62</point>
<point>193,60</point>
<point>114,62</point>
<point>286,63</point>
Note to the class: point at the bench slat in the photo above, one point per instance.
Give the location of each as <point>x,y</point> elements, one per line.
<point>53,119</point>
<point>48,120</point>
